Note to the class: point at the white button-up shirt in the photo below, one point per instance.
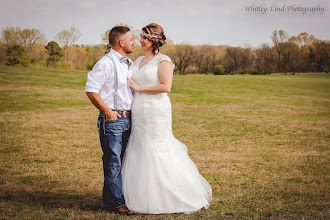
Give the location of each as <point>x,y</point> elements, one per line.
<point>101,80</point>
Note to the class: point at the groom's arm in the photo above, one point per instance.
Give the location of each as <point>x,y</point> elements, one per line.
<point>99,103</point>
<point>95,81</point>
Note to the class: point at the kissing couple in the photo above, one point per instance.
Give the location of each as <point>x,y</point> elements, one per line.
<point>146,169</point>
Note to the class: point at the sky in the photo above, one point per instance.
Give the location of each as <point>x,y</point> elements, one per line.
<point>214,22</point>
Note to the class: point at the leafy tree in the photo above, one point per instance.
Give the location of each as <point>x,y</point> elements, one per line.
<point>78,57</point>
<point>39,54</point>
<point>320,56</point>
<point>17,56</point>
<point>94,53</point>
<point>55,52</point>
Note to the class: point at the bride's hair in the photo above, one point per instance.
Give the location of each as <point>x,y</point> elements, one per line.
<point>155,33</point>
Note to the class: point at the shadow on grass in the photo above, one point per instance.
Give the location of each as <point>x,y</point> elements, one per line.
<point>52,200</point>
<point>60,205</point>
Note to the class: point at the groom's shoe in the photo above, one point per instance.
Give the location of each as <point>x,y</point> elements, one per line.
<point>123,210</point>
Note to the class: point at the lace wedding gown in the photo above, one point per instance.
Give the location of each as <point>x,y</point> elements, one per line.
<point>157,174</point>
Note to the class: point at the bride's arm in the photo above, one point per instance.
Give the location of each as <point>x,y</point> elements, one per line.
<point>165,75</point>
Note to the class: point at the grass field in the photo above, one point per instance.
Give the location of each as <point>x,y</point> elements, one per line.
<point>262,142</point>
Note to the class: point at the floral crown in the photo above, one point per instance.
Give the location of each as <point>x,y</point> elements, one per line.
<point>154,36</point>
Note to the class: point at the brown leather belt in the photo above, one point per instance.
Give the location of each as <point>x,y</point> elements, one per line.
<point>125,114</point>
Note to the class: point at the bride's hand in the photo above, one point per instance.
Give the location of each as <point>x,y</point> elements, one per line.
<point>133,85</point>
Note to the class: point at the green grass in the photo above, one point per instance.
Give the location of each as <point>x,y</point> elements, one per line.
<point>262,142</point>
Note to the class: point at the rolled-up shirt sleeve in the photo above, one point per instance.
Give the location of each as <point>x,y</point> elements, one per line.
<point>97,77</point>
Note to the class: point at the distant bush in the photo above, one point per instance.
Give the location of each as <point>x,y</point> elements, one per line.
<point>252,71</point>
<point>325,68</point>
<point>218,70</point>
<point>17,56</point>
<point>63,65</point>
<point>90,64</point>
<point>241,71</point>
<point>39,64</point>
<point>249,70</point>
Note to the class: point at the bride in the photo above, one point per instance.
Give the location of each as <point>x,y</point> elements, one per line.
<point>157,174</point>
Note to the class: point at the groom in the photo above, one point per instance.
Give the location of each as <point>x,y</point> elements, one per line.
<point>107,89</point>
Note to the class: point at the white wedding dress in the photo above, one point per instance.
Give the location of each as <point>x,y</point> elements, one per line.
<point>157,174</point>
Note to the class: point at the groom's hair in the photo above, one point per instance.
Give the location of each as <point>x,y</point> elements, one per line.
<point>116,33</point>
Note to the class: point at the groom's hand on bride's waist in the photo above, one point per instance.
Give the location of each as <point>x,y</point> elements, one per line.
<point>112,115</point>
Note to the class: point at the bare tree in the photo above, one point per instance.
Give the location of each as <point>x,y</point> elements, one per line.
<point>10,36</point>
<point>205,60</point>
<point>182,56</point>
<point>29,37</point>
<point>265,60</point>
<point>278,38</point>
<point>105,37</point>
<point>67,38</point>
<point>237,59</point>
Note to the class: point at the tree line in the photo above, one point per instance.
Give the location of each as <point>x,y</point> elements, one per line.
<point>301,53</point>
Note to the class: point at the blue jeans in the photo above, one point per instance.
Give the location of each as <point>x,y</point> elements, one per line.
<point>114,136</point>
